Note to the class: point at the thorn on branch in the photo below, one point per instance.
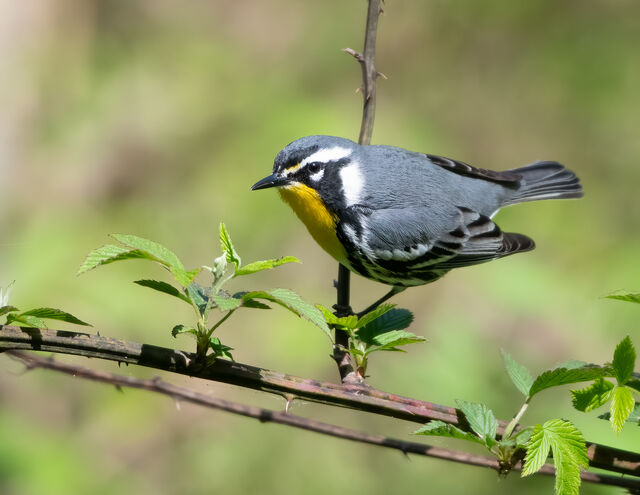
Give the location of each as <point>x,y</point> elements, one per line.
<point>289,398</point>
<point>380,74</point>
<point>357,55</point>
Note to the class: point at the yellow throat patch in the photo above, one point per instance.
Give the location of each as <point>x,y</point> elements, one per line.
<point>321,224</point>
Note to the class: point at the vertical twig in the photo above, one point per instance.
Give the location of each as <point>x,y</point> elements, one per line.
<point>369,76</point>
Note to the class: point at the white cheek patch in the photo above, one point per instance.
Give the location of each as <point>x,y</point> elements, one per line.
<point>327,155</point>
<point>352,183</point>
<point>317,176</point>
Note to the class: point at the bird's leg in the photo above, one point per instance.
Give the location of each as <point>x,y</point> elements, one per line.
<point>396,289</point>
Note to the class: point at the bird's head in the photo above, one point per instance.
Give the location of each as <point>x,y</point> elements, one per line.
<point>311,162</point>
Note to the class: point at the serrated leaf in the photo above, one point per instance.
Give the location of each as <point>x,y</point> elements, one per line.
<point>294,303</point>
<point>219,349</point>
<point>625,296</point>
<point>622,404</point>
<point>519,375</point>
<point>227,247</point>
<point>163,287</point>
<point>345,322</point>
<point>253,304</point>
<point>522,437</point>
<point>200,296</point>
<point>624,358</point>
<point>389,341</point>
<point>537,451</point>
<point>442,429</point>
<point>110,253</point>
<point>258,266</point>
<point>185,277</point>
<point>592,397</point>
<point>480,418</point>
<point>374,314</point>
<point>53,314</point>
<point>634,417</point>
<point>564,376</point>
<point>227,303</point>
<point>571,364</point>
<point>26,320</point>
<point>178,329</point>
<point>161,253</point>
<point>569,453</point>
<point>392,319</point>
<point>7,309</point>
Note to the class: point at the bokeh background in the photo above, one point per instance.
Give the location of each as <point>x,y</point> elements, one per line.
<point>154,117</point>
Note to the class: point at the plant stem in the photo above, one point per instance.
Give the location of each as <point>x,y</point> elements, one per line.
<point>369,76</point>
<point>220,322</point>
<point>516,419</point>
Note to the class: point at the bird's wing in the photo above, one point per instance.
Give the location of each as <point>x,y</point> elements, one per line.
<point>409,240</point>
<point>507,178</point>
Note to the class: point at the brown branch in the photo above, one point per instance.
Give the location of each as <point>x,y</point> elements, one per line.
<point>369,76</point>
<point>355,397</point>
<point>284,418</point>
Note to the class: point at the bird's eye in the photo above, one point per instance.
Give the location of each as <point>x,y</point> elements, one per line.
<point>314,167</point>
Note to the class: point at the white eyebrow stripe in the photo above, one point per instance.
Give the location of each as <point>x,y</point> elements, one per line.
<point>352,183</point>
<point>327,155</point>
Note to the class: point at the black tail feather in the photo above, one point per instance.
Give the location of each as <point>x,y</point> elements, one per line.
<point>545,180</point>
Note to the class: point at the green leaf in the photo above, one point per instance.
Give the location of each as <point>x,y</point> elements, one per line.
<point>625,296</point>
<point>258,266</point>
<point>178,329</point>
<point>158,251</point>
<point>634,383</point>
<point>569,453</point>
<point>571,364</point>
<point>294,303</point>
<point>480,418</point>
<point>163,287</point>
<point>442,429</point>
<point>110,253</point>
<point>7,309</point>
<point>522,437</point>
<point>227,247</point>
<point>624,359</point>
<point>374,314</point>
<point>519,375</point>
<point>537,451</point>
<point>227,303</point>
<point>594,396</point>
<point>564,376</point>
<point>53,314</point>
<point>26,321</point>
<point>255,304</point>
<point>392,319</point>
<point>345,322</point>
<point>161,254</point>
<point>634,417</point>
<point>389,341</point>
<point>219,349</point>
<point>200,296</point>
<point>622,404</point>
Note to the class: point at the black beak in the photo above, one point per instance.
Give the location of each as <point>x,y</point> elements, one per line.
<point>271,181</point>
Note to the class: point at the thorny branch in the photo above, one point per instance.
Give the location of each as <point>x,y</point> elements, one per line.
<point>369,76</point>
<point>365,399</point>
<point>284,418</point>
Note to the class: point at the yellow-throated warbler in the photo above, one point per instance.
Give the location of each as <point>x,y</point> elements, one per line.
<point>405,218</point>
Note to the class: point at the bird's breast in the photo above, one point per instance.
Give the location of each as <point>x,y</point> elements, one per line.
<point>320,222</point>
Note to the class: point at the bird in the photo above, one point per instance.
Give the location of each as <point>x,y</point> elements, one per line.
<point>405,218</point>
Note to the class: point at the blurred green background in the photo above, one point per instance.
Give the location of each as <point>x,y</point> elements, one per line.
<point>154,117</point>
